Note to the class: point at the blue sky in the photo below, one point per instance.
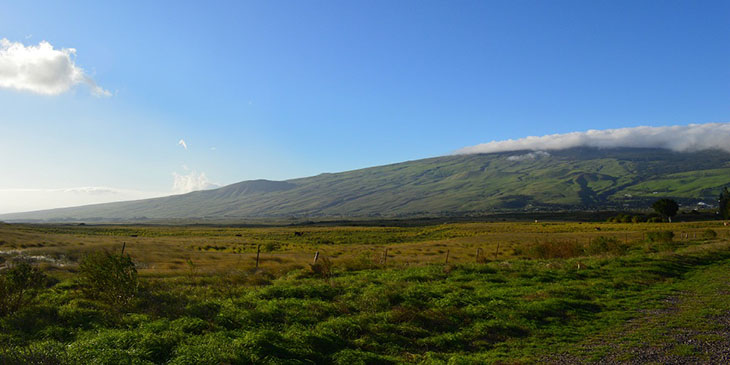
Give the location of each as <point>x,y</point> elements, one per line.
<point>285,89</point>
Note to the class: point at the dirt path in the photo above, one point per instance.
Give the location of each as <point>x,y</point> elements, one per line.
<point>691,327</point>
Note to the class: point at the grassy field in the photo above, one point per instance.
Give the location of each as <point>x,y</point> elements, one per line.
<point>539,291</point>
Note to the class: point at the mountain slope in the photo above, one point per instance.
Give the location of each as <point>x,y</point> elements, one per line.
<point>578,178</point>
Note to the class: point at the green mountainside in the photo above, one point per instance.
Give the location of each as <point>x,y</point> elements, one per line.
<point>571,179</point>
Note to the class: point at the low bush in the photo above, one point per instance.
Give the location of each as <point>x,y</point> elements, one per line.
<point>322,268</point>
<point>709,234</point>
<point>660,236</point>
<point>363,261</point>
<point>269,247</point>
<point>109,277</point>
<point>47,353</point>
<point>553,250</point>
<point>18,286</point>
<point>603,244</point>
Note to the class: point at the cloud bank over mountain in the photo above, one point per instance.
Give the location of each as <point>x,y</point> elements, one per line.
<point>191,182</point>
<point>685,138</point>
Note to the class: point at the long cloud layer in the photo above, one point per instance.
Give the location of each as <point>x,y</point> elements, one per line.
<point>693,137</point>
<point>42,69</point>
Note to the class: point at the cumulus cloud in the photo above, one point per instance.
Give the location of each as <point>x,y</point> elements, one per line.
<point>528,156</point>
<point>693,137</point>
<point>42,69</point>
<point>183,144</point>
<point>21,200</point>
<point>191,182</point>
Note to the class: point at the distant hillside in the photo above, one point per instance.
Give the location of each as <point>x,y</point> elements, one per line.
<point>572,179</point>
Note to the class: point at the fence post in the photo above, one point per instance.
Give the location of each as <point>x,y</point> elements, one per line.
<point>447,256</point>
<point>316,256</point>
<point>385,256</point>
<point>496,253</point>
<point>258,252</point>
<point>124,245</point>
<point>479,250</point>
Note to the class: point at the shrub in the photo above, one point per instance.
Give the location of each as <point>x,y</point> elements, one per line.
<point>660,236</point>
<point>709,234</point>
<point>606,245</point>
<point>48,352</point>
<point>550,250</point>
<point>322,268</point>
<point>269,247</point>
<point>18,287</point>
<point>363,261</point>
<point>109,277</point>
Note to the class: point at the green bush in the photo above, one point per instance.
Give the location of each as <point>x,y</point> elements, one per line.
<point>660,236</point>
<point>603,244</point>
<point>552,250</point>
<point>18,287</point>
<point>48,352</point>
<point>109,277</point>
<point>270,247</point>
<point>322,268</point>
<point>709,234</point>
<point>363,261</point>
<point>637,219</point>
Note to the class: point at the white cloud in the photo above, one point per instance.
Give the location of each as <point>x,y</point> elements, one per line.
<point>191,182</point>
<point>693,137</point>
<point>528,156</point>
<point>182,143</point>
<point>22,200</point>
<point>42,69</point>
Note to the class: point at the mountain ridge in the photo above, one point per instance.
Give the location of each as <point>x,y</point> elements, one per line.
<point>580,178</point>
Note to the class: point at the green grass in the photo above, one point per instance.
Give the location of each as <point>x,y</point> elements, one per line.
<point>517,309</point>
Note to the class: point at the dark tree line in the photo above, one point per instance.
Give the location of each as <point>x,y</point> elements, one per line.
<point>724,204</point>
<point>667,208</point>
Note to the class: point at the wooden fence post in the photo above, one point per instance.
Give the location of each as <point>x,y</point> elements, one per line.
<point>124,245</point>
<point>447,256</point>
<point>258,252</point>
<point>385,256</point>
<point>479,250</point>
<point>496,253</point>
<point>316,256</point>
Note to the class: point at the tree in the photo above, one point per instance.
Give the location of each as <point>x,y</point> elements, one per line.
<point>666,207</point>
<point>724,206</point>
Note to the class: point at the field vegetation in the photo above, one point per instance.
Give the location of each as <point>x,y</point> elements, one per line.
<point>447,293</point>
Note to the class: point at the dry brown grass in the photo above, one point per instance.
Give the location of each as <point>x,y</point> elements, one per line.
<point>167,250</point>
